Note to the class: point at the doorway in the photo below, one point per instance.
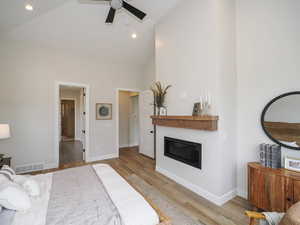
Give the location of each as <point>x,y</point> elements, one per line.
<point>135,131</point>
<point>128,120</point>
<point>72,119</point>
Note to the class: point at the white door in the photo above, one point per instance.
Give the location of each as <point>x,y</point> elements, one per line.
<point>83,121</point>
<point>146,127</point>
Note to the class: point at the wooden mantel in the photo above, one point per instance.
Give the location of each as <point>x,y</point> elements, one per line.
<point>209,123</point>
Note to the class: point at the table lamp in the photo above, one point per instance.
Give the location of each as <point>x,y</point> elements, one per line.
<point>4,134</point>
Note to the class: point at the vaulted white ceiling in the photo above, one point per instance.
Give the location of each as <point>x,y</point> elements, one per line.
<point>79,25</point>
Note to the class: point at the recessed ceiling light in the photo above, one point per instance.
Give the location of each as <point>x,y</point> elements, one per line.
<point>134,36</point>
<point>28,7</point>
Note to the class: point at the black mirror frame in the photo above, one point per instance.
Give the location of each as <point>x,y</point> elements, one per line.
<point>262,119</point>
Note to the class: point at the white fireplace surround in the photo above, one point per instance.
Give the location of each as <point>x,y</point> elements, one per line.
<point>206,182</point>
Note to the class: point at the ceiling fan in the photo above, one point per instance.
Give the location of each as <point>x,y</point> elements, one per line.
<point>118,4</point>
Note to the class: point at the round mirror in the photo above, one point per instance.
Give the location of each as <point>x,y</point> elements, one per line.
<point>281,120</point>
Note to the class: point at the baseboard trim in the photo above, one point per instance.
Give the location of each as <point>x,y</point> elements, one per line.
<point>128,146</point>
<point>102,157</point>
<point>218,200</point>
<point>242,193</point>
<point>146,156</point>
<point>48,166</point>
<point>124,146</point>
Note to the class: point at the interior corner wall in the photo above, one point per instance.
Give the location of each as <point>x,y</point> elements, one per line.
<point>268,65</point>
<point>27,83</point>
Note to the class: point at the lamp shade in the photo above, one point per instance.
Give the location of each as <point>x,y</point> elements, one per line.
<point>4,131</point>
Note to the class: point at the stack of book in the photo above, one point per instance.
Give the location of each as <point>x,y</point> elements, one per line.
<point>270,155</point>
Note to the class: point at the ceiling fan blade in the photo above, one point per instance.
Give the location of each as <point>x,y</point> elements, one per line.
<point>93,1</point>
<point>138,13</point>
<point>111,15</point>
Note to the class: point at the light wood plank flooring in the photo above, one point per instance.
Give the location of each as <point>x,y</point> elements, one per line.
<point>131,162</point>
<point>70,152</point>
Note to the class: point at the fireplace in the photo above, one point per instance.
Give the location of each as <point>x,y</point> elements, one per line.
<point>187,152</point>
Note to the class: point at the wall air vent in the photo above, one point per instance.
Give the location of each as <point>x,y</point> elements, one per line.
<point>29,168</point>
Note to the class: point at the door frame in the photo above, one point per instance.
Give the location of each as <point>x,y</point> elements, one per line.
<point>117,114</point>
<point>57,116</point>
<point>75,113</point>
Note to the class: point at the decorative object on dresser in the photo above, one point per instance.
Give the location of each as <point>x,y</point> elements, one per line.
<point>159,93</point>
<point>103,111</point>
<point>270,155</point>
<point>209,123</point>
<point>280,120</point>
<point>292,164</point>
<point>272,190</point>
<point>4,134</point>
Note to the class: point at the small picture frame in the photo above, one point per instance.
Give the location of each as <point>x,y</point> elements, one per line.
<point>197,109</point>
<point>103,111</point>
<point>292,164</point>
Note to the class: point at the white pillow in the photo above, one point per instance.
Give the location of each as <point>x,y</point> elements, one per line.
<point>3,179</point>
<point>7,168</point>
<point>31,186</point>
<point>13,197</point>
<point>6,174</point>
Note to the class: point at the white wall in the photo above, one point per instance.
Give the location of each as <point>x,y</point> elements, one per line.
<point>74,94</point>
<point>124,108</point>
<point>149,71</point>
<point>27,81</point>
<point>200,57</point>
<point>134,126</point>
<point>268,54</point>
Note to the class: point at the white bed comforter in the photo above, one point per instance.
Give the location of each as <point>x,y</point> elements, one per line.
<point>132,207</point>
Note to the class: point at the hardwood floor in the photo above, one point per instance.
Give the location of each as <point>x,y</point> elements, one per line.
<point>131,162</point>
<point>70,152</point>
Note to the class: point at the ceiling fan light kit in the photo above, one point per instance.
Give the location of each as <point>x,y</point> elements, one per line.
<point>117,5</point>
<point>29,7</point>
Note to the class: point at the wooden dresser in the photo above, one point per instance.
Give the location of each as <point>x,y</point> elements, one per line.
<point>272,189</point>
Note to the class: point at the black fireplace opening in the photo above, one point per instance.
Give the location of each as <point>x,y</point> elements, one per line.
<point>184,151</point>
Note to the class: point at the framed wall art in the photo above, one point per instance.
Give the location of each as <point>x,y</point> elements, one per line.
<point>103,111</point>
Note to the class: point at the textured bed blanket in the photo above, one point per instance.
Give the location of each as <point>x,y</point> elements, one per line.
<point>272,218</point>
<point>37,213</point>
<point>78,197</point>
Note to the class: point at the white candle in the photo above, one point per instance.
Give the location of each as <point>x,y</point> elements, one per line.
<point>200,101</point>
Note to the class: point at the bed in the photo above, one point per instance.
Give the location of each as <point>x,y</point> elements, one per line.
<point>87,195</point>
